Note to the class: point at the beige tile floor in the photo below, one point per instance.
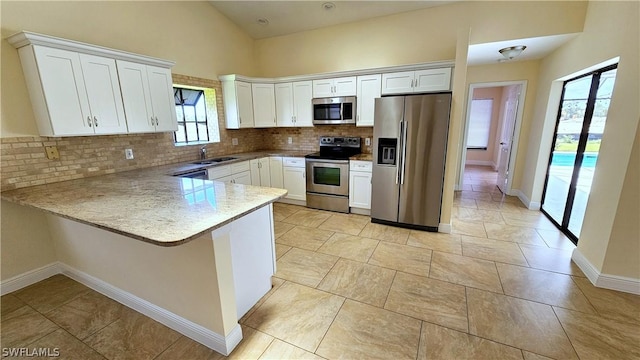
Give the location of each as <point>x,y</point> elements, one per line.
<point>502,286</point>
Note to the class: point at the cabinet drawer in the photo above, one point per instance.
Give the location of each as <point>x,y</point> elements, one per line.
<point>293,162</point>
<point>359,165</point>
<point>219,171</point>
<point>240,167</point>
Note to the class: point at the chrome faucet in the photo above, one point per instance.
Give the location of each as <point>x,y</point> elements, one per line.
<point>203,152</point>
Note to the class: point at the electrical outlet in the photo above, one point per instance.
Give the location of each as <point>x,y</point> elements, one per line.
<point>289,140</point>
<point>128,154</point>
<point>52,152</point>
<point>367,141</point>
<point>234,141</point>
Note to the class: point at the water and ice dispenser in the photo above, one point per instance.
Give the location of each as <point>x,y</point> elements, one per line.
<point>387,150</point>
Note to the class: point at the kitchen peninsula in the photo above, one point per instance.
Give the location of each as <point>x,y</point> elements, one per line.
<point>192,254</point>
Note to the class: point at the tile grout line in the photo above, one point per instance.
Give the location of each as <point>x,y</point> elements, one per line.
<point>466,302</point>
<point>389,292</point>
<point>419,339</point>
<point>565,331</point>
<point>332,321</point>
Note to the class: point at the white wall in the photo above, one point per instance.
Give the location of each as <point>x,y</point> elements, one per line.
<point>611,30</point>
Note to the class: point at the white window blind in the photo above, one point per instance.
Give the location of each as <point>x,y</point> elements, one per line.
<point>479,123</point>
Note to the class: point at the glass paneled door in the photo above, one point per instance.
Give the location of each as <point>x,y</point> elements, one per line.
<point>581,119</point>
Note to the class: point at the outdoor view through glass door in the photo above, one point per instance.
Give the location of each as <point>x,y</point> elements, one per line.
<point>581,121</point>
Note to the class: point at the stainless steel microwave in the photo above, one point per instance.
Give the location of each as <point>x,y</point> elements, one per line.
<point>336,110</point>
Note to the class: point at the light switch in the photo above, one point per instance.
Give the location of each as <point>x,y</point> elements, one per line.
<point>289,140</point>
<point>367,141</point>
<point>128,154</point>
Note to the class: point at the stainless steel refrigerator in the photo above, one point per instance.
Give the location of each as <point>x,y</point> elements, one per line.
<point>409,147</point>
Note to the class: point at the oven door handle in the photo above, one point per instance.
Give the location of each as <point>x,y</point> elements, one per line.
<point>327,161</point>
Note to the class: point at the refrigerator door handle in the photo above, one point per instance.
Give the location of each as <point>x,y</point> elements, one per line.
<point>404,152</point>
<point>398,153</point>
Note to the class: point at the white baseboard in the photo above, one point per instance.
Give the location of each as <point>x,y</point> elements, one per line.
<point>359,211</point>
<point>30,277</point>
<point>480,162</point>
<point>531,205</point>
<point>607,281</point>
<point>208,338</point>
<point>444,228</point>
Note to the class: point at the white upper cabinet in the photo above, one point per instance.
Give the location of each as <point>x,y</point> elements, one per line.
<point>147,93</point>
<point>72,93</point>
<point>162,99</point>
<point>264,105</point>
<point>344,86</point>
<point>293,104</point>
<point>433,80</point>
<point>367,92</point>
<point>103,92</point>
<point>238,104</point>
<point>418,81</point>
<point>302,108</point>
<point>284,104</point>
<point>75,88</point>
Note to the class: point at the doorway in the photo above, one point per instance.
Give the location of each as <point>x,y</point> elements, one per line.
<point>490,141</point>
<point>573,156</point>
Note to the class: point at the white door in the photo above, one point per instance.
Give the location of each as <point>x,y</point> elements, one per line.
<point>64,91</point>
<point>103,92</point>
<point>506,136</point>
<point>275,169</point>
<point>345,86</point>
<point>244,102</point>
<point>432,80</point>
<point>398,83</point>
<point>360,189</point>
<point>302,107</point>
<point>264,105</point>
<point>265,172</point>
<point>134,84</point>
<point>367,92</point>
<point>322,88</point>
<point>295,183</point>
<point>243,178</point>
<point>284,104</point>
<point>162,99</point>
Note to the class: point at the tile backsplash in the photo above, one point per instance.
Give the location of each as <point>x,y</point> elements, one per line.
<point>23,161</point>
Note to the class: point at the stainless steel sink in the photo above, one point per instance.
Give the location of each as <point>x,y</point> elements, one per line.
<point>213,161</point>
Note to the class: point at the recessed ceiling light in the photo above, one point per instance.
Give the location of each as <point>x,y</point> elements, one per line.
<point>328,6</point>
<point>263,21</point>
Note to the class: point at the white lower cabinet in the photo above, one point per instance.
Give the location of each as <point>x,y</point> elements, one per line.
<point>295,179</point>
<point>260,172</point>
<point>360,185</point>
<point>275,171</point>
<point>238,173</point>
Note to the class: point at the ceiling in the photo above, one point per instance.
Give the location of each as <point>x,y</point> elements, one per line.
<point>537,48</point>
<point>288,17</point>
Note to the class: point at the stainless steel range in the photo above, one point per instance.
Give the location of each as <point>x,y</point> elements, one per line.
<point>328,173</point>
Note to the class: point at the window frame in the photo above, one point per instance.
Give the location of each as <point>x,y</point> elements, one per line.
<point>471,122</point>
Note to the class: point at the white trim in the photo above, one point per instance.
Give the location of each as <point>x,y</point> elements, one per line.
<point>516,129</point>
<point>28,278</point>
<point>481,162</point>
<point>210,339</point>
<point>335,74</point>
<point>531,205</point>
<point>444,228</point>
<point>360,211</point>
<point>25,38</point>
<point>606,281</point>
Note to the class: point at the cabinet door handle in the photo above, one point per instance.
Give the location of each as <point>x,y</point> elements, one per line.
<point>95,121</point>
<point>89,121</point>
<point>152,123</point>
<point>157,122</point>
<point>240,118</point>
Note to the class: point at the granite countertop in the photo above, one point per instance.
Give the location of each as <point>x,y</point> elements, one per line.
<point>362,157</point>
<point>182,168</point>
<point>147,204</point>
